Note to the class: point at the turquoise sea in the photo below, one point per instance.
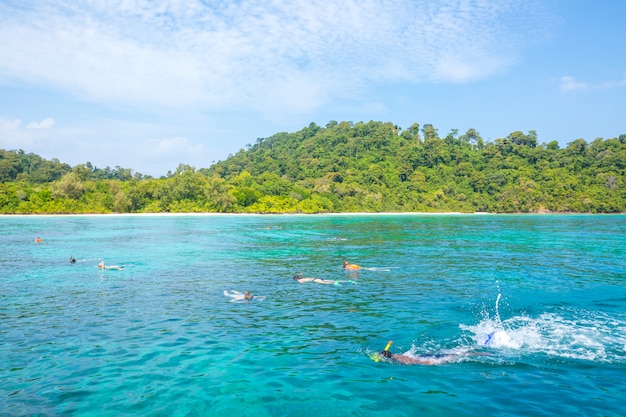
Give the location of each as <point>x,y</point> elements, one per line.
<point>531,308</point>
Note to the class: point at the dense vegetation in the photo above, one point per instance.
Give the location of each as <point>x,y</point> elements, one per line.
<point>344,167</point>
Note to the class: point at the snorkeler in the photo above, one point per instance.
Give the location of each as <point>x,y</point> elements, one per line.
<point>101,265</point>
<point>424,359</point>
<point>354,267</point>
<point>419,360</point>
<point>72,260</point>
<point>350,267</point>
<point>301,280</point>
<point>246,296</point>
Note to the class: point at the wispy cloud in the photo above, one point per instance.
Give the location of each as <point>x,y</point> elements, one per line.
<point>569,84</point>
<point>285,55</point>
<point>14,135</point>
<point>44,124</point>
<point>165,148</point>
<point>111,143</point>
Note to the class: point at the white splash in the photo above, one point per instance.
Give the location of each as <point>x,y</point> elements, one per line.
<point>576,334</point>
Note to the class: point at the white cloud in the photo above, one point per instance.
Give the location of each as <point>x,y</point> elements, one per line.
<point>569,83</point>
<point>9,125</point>
<point>50,143</point>
<point>44,124</point>
<point>268,55</point>
<point>167,147</point>
<point>105,143</point>
<point>13,135</point>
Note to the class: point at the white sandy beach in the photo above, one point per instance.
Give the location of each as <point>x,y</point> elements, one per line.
<point>256,214</point>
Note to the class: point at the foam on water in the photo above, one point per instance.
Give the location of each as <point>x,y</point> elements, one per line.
<point>565,333</point>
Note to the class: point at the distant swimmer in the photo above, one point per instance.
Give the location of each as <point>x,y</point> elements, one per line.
<point>38,240</point>
<point>246,296</point>
<point>72,260</point>
<point>300,279</point>
<point>350,267</point>
<point>101,265</point>
<point>354,267</point>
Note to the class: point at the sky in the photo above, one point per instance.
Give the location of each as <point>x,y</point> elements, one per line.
<point>151,84</point>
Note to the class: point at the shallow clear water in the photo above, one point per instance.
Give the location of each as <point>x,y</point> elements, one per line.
<point>160,338</point>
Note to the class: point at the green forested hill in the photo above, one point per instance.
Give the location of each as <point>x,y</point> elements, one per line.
<point>346,167</point>
<point>375,167</point>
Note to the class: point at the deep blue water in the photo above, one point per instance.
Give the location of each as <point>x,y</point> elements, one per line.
<point>160,338</point>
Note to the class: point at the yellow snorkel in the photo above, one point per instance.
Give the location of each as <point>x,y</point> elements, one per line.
<point>376,357</point>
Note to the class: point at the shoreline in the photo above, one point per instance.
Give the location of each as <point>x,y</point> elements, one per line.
<point>408,213</point>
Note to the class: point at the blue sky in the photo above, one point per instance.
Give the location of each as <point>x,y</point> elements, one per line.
<point>150,84</point>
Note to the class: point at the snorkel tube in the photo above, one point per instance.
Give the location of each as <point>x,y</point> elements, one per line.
<point>388,345</point>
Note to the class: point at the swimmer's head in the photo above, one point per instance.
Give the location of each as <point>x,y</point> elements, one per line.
<point>345,263</point>
<point>297,277</point>
<point>386,353</point>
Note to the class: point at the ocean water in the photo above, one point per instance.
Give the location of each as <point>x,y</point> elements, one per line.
<point>529,312</point>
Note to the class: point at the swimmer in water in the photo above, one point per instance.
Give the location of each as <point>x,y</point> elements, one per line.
<point>38,240</point>
<point>424,359</point>
<point>301,280</point>
<point>101,265</point>
<point>419,360</point>
<point>350,267</point>
<point>72,260</point>
<point>246,296</point>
